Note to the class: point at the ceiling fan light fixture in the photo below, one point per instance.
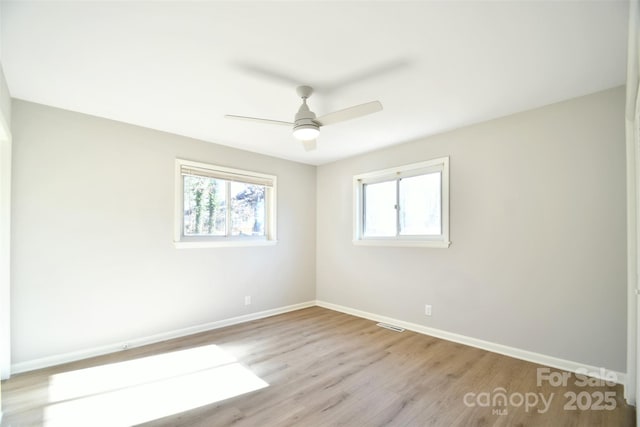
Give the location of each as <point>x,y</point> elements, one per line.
<point>306,127</point>
<point>306,132</point>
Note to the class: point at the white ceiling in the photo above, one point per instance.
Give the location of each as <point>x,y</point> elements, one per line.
<point>181,66</point>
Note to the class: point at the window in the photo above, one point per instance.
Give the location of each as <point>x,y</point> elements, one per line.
<point>220,206</point>
<point>403,206</point>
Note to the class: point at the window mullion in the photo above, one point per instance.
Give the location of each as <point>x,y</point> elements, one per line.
<point>363,206</point>
<point>228,213</point>
<point>182,221</point>
<point>398,207</point>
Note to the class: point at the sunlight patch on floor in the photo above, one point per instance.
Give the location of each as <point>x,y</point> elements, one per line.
<point>140,390</point>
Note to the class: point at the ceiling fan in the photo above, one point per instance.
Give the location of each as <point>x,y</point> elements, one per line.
<point>306,127</point>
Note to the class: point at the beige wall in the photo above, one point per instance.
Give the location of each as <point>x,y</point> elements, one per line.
<point>93,260</point>
<point>5,226</point>
<point>538,259</point>
<point>537,225</point>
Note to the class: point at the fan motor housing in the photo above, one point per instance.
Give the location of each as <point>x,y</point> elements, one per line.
<point>305,118</point>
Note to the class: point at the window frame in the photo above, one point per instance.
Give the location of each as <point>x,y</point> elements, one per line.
<point>180,240</point>
<point>440,165</point>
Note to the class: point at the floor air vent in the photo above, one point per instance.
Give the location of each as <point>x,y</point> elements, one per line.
<point>392,327</point>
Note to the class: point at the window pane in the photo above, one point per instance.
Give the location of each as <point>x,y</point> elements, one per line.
<point>420,205</point>
<point>204,206</point>
<point>247,209</point>
<point>380,209</point>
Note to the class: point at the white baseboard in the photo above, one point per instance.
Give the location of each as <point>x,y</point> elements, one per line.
<point>517,353</point>
<point>59,359</point>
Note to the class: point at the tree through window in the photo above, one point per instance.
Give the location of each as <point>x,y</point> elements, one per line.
<point>218,203</point>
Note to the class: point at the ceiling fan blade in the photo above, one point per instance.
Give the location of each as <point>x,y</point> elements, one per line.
<point>309,145</point>
<point>349,113</point>
<point>255,119</point>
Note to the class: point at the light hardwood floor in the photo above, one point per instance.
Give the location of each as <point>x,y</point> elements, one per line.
<point>325,368</point>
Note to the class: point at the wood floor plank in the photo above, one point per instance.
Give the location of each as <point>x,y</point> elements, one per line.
<point>325,368</point>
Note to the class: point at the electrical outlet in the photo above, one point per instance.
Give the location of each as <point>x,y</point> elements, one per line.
<point>247,300</point>
<point>427,310</point>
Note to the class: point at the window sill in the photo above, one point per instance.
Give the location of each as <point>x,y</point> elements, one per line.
<point>224,244</point>
<point>402,243</point>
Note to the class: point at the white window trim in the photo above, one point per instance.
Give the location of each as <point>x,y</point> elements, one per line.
<point>215,241</point>
<point>440,241</point>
